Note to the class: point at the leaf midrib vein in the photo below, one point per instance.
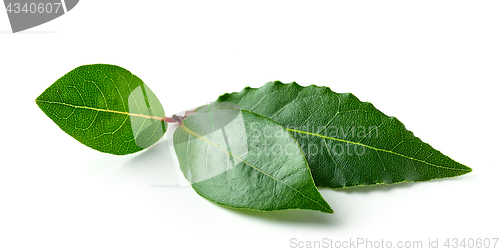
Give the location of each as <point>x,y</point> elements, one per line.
<point>104,110</point>
<point>373,148</point>
<point>246,162</point>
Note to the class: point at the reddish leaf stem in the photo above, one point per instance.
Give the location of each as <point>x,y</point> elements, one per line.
<point>178,119</point>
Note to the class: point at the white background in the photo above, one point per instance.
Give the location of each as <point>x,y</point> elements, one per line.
<point>432,64</point>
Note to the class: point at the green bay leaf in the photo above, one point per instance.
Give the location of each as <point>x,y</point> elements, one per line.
<point>346,142</point>
<point>239,159</point>
<point>106,108</point>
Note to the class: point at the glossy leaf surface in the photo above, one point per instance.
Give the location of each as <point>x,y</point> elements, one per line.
<point>346,142</point>
<point>106,108</point>
<point>242,160</point>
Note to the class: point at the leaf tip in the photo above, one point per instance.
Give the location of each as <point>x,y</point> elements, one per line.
<point>325,207</point>
<point>467,170</point>
<point>38,102</point>
<point>328,209</point>
<point>463,170</point>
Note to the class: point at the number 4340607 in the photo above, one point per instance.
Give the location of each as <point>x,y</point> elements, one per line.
<point>34,8</point>
<point>471,243</point>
